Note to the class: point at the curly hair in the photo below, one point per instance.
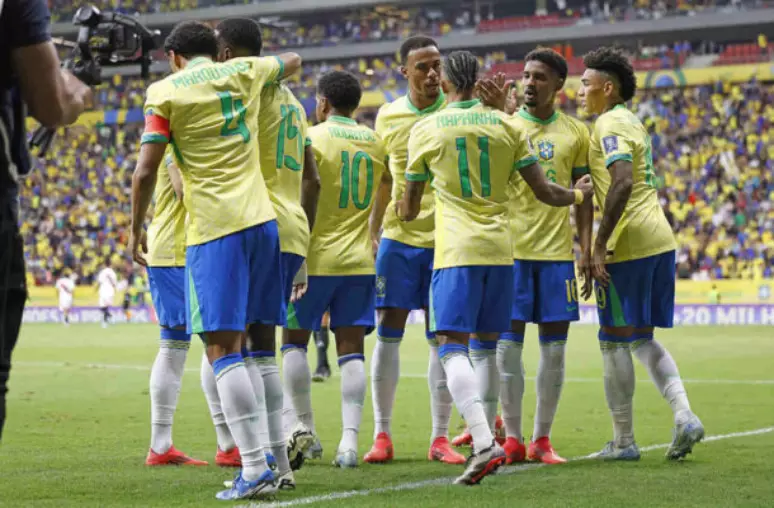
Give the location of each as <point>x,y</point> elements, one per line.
<point>613,62</point>
<point>192,38</point>
<point>342,89</point>
<point>243,33</point>
<point>551,58</point>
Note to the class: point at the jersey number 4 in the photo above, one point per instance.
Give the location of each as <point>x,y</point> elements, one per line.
<point>350,180</point>
<point>234,112</point>
<point>483,166</point>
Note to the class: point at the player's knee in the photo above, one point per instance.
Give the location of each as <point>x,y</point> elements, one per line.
<point>560,329</point>
<point>611,334</point>
<point>260,337</point>
<point>350,340</point>
<point>392,317</point>
<point>299,338</point>
<point>518,327</point>
<point>224,343</point>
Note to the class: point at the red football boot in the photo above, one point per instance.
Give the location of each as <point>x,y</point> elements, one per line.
<point>442,451</point>
<point>172,457</point>
<point>542,451</point>
<point>228,458</point>
<point>515,451</point>
<point>382,450</point>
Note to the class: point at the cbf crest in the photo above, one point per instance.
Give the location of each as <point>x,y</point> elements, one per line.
<point>545,150</point>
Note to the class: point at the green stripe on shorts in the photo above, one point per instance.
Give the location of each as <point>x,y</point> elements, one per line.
<point>193,310</point>
<point>615,307</point>
<point>431,313</point>
<point>292,318</point>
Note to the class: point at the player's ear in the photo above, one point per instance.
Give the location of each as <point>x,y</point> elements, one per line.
<point>403,71</point>
<point>445,86</point>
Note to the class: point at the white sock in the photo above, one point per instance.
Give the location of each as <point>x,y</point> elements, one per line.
<point>274,402</point>
<point>298,383</point>
<point>165,381</point>
<point>440,399</point>
<point>511,368</point>
<point>550,378</point>
<point>619,387</point>
<point>256,379</point>
<point>210,389</point>
<point>483,356</point>
<point>289,418</point>
<point>353,388</point>
<point>663,371</point>
<point>241,410</point>
<point>385,369</point>
<point>465,392</point>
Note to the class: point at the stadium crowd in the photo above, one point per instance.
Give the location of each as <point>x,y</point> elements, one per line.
<point>712,146</point>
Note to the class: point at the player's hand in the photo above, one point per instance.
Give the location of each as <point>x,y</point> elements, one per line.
<point>497,93</point>
<point>138,245</point>
<point>598,269</point>
<point>299,290</point>
<point>586,186</point>
<point>584,271</point>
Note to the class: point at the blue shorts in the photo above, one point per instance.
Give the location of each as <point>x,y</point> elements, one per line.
<point>544,291</point>
<point>403,275</point>
<point>349,298</point>
<point>471,299</point>
<point>641,293</point>
<point>291,263</point>
<point>235,281</point>
<point>167,289</point>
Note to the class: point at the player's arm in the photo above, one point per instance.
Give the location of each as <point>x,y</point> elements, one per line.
<point>176,178</point>
<point>290,63</point>
<point>310,185</point>
<point>550,193</point>
<point>381,202</point>
<point>54,96</point>
<point>584,214</point>
<point>153,145</point>
<point>417,174</point>
<point>618,160</point>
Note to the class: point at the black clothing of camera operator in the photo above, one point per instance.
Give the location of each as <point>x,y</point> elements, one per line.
<point>31,82</point>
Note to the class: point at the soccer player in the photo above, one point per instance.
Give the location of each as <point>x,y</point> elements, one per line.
<point>633,257</point>
<point>208,113</point>
<point>404,262</point>
<point>107,284</point>
<point>351,160</point>
<point>66,286</point>
<point>545,290</point>
<point>166,276</point>
<point>289,169</point>
<point>473,153</point>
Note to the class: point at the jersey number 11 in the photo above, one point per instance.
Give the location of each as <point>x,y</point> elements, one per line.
<point>483,166</point>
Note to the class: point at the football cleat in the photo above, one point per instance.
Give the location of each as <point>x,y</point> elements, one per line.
<point>481,464</point>
<point>612,452</point>
<point>542,451</point>
<point>345,459</point>
<point>686,435</point>
<point>499,432</point>
<point>515,451</point>
<point>286,481</point>
<point>264,487</point>
<point>382,450</point>
<point>442,451</point>
<point>322,373</point>
<point>464,439</point>
<point>172,457</point>
<point>299,443</point>
<point>228,458</point>
<point>315,451</point>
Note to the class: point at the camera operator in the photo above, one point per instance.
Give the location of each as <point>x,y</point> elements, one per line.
<point>30,75</point>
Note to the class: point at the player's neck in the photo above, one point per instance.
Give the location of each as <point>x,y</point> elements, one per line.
<point>421,102</point>
<point>460,96</point>
<point>611,106</point>
<point>543,113</point>
<point>335,112</point>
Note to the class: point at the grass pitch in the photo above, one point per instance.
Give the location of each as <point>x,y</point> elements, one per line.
<point>79,430</point>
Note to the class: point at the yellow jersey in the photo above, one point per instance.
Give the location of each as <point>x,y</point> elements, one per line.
<point>351,159</point>
<point>542,232</point>
<point>643,229</point>
<point>282,128</point>
<point>393,124</point>
<point>208,112</point>
<point>166,232</point>
<point>472,154</point>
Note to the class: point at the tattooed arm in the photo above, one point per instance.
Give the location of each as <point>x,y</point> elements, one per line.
<point>408,207</point>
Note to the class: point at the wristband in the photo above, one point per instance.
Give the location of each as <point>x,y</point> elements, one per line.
<point>578,197</point>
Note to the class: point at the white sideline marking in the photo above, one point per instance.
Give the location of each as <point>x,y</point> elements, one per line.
<point>108,366</point>
<point>402,487</point>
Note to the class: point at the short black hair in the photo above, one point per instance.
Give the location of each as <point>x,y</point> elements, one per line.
<point>551,58</point>
<point>461,68</point>
<point>192,38</point>
<point>242,33</point>
<point>342,89</point>
<point>414,43</point>
<point>612,61</point>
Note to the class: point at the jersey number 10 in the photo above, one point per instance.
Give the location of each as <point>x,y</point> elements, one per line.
<point>350,180</point>
<point>483,166</point>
